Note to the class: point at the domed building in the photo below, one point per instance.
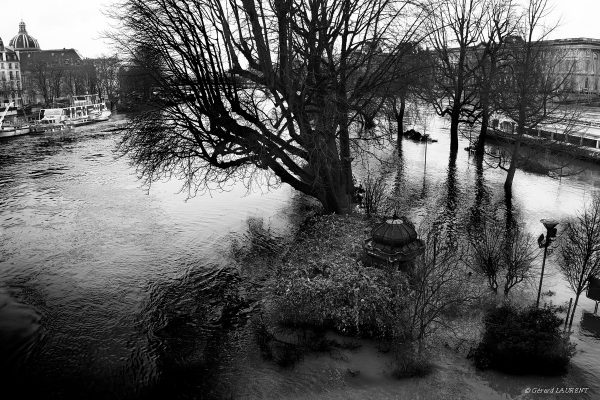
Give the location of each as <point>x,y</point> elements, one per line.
<point>65,64</point>
<point>23,41</point>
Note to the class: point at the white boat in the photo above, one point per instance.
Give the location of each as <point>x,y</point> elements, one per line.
<point>8,130</point>
<point>84,109</point>
<point>52,120</point>
<point>45,126</point>
<point>89,107</point>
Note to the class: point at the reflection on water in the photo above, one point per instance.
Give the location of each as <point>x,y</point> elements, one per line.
<point>19,334</point>
<point>136,296</point>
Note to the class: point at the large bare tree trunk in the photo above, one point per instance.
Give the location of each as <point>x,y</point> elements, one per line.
<point>333,188</point>
<point>510,176</point>
<point>485,121</point>
<point>454,122</point>
<point>400,118</point>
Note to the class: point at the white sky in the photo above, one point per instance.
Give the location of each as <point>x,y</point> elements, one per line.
<point>578,18</point>
<point>79,24</point>
<point>58,24</point>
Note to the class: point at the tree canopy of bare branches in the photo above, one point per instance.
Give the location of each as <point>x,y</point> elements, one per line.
<point>504,256</point>
<point>579,257</point>
<point>533,80</point>
<point>246,85</point>
<point>456,27</point>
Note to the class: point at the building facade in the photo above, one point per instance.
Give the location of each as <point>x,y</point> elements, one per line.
<point>47,76</point>
<point>580,57</point>
<point>10,78</point>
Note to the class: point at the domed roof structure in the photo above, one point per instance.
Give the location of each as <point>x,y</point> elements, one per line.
<point>394,243</point>
<point>1,45</point>
<point>24,42</point>
<point>394,232</point>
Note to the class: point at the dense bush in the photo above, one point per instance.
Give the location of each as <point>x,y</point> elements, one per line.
<point>527,341</point>
<point>321,284</point>
<point>345,297</point>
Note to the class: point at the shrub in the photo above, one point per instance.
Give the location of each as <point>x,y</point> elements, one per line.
<point>527,341</point>
<point>409,362</point>
<point>347,298</point>
<point>374,194</point>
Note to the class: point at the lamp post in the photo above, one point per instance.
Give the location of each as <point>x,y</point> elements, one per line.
<point>550,226</point>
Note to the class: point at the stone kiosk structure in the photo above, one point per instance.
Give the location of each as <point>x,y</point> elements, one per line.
<point>393,245</point>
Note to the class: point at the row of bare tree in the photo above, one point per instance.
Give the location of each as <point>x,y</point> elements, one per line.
<point>505,255</point>
<point>49,81</point>
<point>242,86</point>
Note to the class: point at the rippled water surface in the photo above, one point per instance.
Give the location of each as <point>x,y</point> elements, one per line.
<point>116,289</point>
<point>97,255</point>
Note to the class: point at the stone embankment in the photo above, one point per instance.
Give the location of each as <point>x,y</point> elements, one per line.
<point>574,146</point>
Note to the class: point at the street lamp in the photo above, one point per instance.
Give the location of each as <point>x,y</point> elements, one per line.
<point>550,226</point>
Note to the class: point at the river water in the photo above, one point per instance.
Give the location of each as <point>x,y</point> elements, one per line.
<point>111,289</point>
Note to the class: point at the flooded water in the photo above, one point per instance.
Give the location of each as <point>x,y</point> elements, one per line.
<point>113,291</point>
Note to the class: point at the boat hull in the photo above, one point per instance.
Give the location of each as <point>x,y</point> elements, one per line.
<point>49,128</point>
<point>16,131</point>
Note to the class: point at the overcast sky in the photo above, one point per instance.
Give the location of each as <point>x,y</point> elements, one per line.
<point>79,23</point>
<point>58,24</point>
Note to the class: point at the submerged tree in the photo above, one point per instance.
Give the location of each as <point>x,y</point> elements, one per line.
<point>456,27</point>
<point>412,78</point>
<point>500,24</point>
<point>503,255</point>
<point>248,85</point>
<point>534,81</point>
<point>579,257</point>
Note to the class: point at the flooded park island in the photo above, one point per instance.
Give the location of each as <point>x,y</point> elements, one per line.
<point>323,199</point>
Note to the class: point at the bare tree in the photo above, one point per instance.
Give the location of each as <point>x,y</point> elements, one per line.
<point>42,81</point>
<point>411,81</point>
<point>107,69</point>
<point>531,81</point>
<point>456,27</point>
<point>520,253</point>
<point>500,25</point>
<point>503,255</point>
<point>139,77</point>
<point>579,257</point>
<point>248,85</point>
<point>439,287</point>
